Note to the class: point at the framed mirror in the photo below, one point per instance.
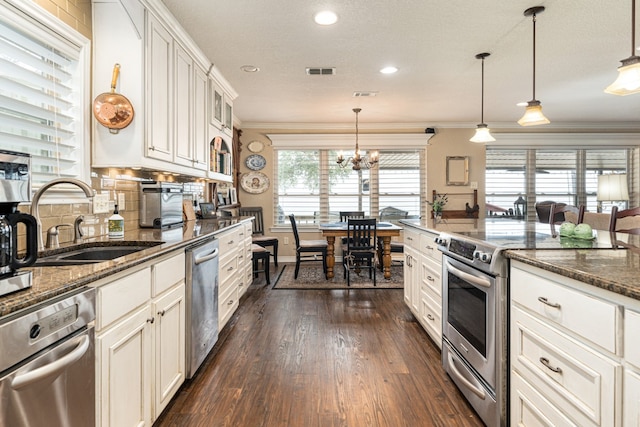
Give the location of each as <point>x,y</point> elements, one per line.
<point>457,170</point>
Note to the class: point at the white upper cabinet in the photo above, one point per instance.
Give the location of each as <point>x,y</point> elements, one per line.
<point>166,78</point>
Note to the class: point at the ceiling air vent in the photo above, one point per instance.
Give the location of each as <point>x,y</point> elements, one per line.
<point>320,71</point>
<point>364,94</point>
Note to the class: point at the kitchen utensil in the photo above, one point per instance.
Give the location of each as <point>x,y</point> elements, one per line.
<point>111,109</point>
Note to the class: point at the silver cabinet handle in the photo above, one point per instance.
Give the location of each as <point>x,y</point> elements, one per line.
<point>151,320</point>
<point>431,279</point>
<point>546,363</point>
<point>230,302</point>
<point>161,313</point>
<point>550,304</point>
<point>430,317</point>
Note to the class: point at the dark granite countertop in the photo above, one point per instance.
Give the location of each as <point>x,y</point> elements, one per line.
<point>50,282</point>
<point>615,270</point>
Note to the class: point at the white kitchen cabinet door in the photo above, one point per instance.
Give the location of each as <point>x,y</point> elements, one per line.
<point>169,325</point>
<point>200,126</point>
<point>631,404</point>
<point>182,106</point>
<point>412,279</point>
<point>125,364</point>
<point>159,98</point>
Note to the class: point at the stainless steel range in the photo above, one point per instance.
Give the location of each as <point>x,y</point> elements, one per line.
<point>475,279</point>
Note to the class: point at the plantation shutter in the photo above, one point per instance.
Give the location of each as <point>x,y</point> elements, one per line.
<point>41,90</point>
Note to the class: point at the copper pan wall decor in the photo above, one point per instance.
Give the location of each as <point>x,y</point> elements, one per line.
<point>111,109</point>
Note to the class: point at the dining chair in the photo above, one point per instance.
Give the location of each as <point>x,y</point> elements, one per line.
<point>561,212</point>
<point>360,250</point>
<point>346,215</point>
<point>308,250</point>
<point>257,235</point>
<point>625,221</point>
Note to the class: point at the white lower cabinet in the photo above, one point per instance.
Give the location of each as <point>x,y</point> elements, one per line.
<point>235,259</point>
<point>140,342</point>
<point>422,280</point>
<point>565,352</point>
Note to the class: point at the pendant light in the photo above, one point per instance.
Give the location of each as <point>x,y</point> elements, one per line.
<point>533,113</point>
<point>483,134</point>
<point>628,80</point>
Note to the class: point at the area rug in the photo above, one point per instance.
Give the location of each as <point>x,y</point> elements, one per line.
<point>312,277</point>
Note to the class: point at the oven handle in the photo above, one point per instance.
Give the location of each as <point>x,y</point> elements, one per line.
<point>206,258</point>
<point>476,390</point>
<point>25,380</point>
<point>480,281</point>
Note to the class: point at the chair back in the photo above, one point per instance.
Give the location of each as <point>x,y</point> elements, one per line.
<point>361,235</point>
<point>543,210</point>
<point>558,213</point>
<point>625,221</point>
<point>345,215</point>
<point>258,222</point>
<point>294,227</point>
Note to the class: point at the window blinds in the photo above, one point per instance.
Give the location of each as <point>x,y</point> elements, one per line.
<point>40,99</point>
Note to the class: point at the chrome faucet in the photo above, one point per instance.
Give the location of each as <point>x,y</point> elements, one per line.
<point>88,191</point>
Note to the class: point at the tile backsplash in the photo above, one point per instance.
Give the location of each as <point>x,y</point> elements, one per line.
<point>105,181</point>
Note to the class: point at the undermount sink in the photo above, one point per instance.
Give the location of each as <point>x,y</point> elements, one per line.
<point>92,253</point>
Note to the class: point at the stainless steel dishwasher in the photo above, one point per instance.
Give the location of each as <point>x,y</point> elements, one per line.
<point>202,303</point>
<point>47,364</point>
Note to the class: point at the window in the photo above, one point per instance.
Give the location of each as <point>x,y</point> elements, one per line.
<point>44,88</point>
<point>561,175</point>
<point>312,186</point>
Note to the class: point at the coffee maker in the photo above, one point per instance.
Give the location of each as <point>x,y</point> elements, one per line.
<point>15,188</point>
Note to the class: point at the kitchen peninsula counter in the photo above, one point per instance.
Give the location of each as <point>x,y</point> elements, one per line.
<point>49,282</point>
<point>614,270</point>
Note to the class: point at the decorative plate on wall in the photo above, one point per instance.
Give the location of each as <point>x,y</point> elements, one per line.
<point>254,182</point>
<point>255,146</point>
<point>255,162</point>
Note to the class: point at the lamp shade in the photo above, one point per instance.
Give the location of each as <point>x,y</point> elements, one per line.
<point>533,115</point>
<point>483,134</point>
<point>628,81</point>
<point>612,188</point>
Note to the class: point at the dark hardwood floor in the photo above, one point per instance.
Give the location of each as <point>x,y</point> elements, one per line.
<point>350,358</point>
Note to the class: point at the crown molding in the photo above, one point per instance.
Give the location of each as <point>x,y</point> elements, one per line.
<point>347,141</point>
<point>496,127</point>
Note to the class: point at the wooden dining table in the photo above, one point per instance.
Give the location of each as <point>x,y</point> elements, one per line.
<point>385,231</point>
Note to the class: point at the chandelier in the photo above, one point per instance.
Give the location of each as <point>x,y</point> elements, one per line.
<point>358,161</point>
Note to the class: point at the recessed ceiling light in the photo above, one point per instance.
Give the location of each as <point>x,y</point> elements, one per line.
<point>250,68</point>
<point>389,70</point>
<point>326,18</point>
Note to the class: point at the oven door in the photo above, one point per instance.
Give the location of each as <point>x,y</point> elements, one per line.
<point>469,316</point>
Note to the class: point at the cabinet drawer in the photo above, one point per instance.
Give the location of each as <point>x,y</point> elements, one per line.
<point>593,319</point>
<point>167,273</point>
<point>431,315</point>
<point>431,275</point>
<point>227,304</point>
<point>429,248</point>
<point>122,296</point>
<point>411,238</point>
<point>228,243</point>
<point>228,272</point>
<point>529,408</point>
<point>631,337</point>
<point>582,382</point>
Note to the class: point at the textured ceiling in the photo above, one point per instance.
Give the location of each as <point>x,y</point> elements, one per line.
<point>432,42</point>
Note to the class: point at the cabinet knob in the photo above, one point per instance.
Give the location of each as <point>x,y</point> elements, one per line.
<point>151,320</point>
<point>161,313</point>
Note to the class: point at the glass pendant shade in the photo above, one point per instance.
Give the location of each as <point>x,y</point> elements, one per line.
<point>483,134</point>
<point>628,81</point>
<point>533,115</point>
